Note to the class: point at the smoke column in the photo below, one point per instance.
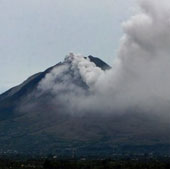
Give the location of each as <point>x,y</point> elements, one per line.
<point>140,76</point>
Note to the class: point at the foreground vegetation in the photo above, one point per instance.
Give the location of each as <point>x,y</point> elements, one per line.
<point>86,164</point>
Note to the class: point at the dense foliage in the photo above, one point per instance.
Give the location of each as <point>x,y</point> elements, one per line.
<point>85,164</point>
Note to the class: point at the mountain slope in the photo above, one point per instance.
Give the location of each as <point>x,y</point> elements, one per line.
<point>39,116</point>
<point>21,123</point>
<point>9,99</point>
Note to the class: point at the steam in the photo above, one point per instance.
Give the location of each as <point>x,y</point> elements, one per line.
<point>139,79</point>
<point>145,57</point>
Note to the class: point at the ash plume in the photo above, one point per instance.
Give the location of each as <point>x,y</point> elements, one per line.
<point>139,79</point>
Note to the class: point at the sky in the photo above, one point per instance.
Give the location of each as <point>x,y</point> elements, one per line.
<point>37,34</point>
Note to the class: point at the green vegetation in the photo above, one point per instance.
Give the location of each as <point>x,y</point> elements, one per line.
<point>86,164</point>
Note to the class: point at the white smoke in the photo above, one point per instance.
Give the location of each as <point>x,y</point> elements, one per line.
<point>72,82</point>
<point>145,57</point>
<point>88,70</point>
<point>77,67</point>
<point>140,76</point>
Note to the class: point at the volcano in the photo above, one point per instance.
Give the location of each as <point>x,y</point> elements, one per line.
<point>35,117</point>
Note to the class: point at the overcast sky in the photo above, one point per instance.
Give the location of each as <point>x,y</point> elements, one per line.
<point>36,34</point>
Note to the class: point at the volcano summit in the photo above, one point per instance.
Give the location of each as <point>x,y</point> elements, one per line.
<point>59,110</point>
